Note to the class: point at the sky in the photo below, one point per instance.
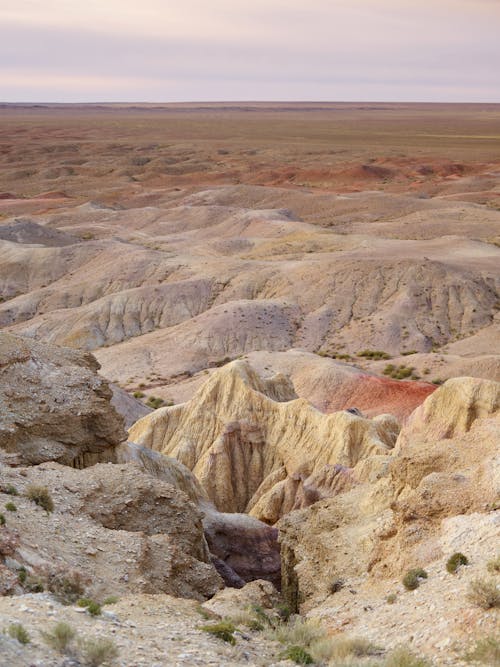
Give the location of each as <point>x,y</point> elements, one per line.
<point>233,50</point>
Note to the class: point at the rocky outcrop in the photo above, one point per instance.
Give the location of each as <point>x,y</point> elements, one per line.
<point>54,406</point>
<point>445,465</point>
<point>122,529</point>
<point>258,593</point>
<point>255,450</point>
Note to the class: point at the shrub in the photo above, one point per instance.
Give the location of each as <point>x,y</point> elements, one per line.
<point>455,561</point>
<point>139,394</point>
<point>112,599</point>
<point>484,593</point>
<point>2,520</point>
<point>83,602</point>
<point>21,575</point>
<point>34,584</point>
<point>17,631</point>
<point>485,650</point>
<point>299,632</point>
<point>402,657</point>
<point>342,648</point>
<point>66,585</point>
<point>223,630</point>
<point>94,608</point>
<point>391,598</point>
<point>412,578</point>
<point>11,490</point>
<point>374,354</point>
<point>40,496</point>
<point>60,637</point>
<point>9,541</point>
<point>298,654</point>
<point>494,565</point>
<point>10,507</point>
<point>154,402</point>
<point>284,612</point>
<point>96,652</point>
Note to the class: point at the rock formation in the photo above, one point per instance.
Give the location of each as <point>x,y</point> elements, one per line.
<point>54,406</point>
<point>254,450</point>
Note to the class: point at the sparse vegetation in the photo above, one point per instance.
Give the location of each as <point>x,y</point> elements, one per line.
<point>455,561</point>
<point>2,519</point>
<point>391,598</point>
<point>112,599</point>
<point>484,593</point>
<point>19,632</point>
<point>138,394</point>
<point>10,507</point>
<point>485,651</point>
<point>402,657</point>
<point>336,649</point>
<point>40,495</point>
<point>400,372</point>
<point>94,608</point>
<point>11,490</point>
<point>412,578</point>
<point>60,637</point>
<point>223,630</point>
<point>494,565</point>
<point>96,652</point>
<point>66,585</point>
<point>154,402</point>
<point>297,632</point>
<point>374,355</point>
<point>298,654</point>
<point>22,575</point>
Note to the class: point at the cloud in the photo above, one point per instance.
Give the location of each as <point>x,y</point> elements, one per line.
<point>166,50</point>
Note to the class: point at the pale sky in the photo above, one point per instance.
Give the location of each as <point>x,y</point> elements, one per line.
<point>202,50</point>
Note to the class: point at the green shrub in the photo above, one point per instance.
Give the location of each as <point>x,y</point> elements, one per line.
<point>284,612</point>
<point>455,561</point>
<point>96,652</point>
<point>298,654</point>
<point>60,637</point>
<point>391,598</point>
<point>139,394</point>
<point>11,490</point>
<point>223,630</point>
<point>66,585</point>
<point>2,519</point>
<point>83,602</point>
<point>40,496</point>
<point>22,575</point>
<point>484,593</point>
<point>336,649</point>
<point>112,599</point>
<point>10,507</point>
<point>374,354</point>
<point>94,608</point>
<point>34,584</point>
<point>485,650</point>
<point>154,402</point>
<point>299,632</point>
<point>17,631</point>
<point>412,578</point>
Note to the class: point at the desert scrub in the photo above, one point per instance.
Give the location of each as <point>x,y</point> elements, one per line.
<point>223,630</point>
<point>111,599</point>
<point>375,355</point>
<point>391,598</point>
<point>484,593</point>
<point>40,496</point>
<point>298,632</point>
<point>19,632</point>
<point>11,490</point>
<point>22,575</point>
<point>402,657</point>
<point>486,651</point>
<point>338,649</point>
<point>455,561</point>
<point>400,372</point>
<point>10,507</point>
<point>2,519</point>
<point>60,637</point>
<point>494,565</point>
<point>94,608</point>
<point>96,652</point>
<point>138,394</point>
<point>154,402</point>
<point>298,655</point>
<point>412,578</point>
<point>66,585</point>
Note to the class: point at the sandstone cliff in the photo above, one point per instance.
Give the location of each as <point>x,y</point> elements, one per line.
<point>255,450</point>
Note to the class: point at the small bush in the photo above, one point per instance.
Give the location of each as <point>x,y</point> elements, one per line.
<point>94,608</point>
<point>22,575</point>
<point>391,598</point>
<point>412,578</point>
<point>96,652</point>
<point>284,612</point>
<point>112,599</point>
<point>223,630</point>
<point>402,657</point>
<point>374,354</point>
<point>494,565</point>
<point>11,490</point>
<point>485,650</point>
<point>342,648</point>
<point>2,519</point>
<point>139,394</point>
<point>17,631</point>
<point>484,593</point>
<point>455,561</point>
<point>83,602</point>
<point>60,637</point>
<point>34,584</point>
<point>154,402</point>
<point>299,632</point>
<point>298,654</point>
<point>40,496</point>
<point>67,586</point>
<point>10,507</point>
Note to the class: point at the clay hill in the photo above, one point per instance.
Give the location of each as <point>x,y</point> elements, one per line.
<point>249,385</point>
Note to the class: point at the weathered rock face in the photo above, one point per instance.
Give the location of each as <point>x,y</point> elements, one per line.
<point>445,465</point>
<point>258,593</point>
<point>255,450</point>
<point>54,406</point>
<point>124,530</point>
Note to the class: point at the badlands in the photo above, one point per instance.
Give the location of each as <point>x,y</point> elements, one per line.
<point>250,384</point>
